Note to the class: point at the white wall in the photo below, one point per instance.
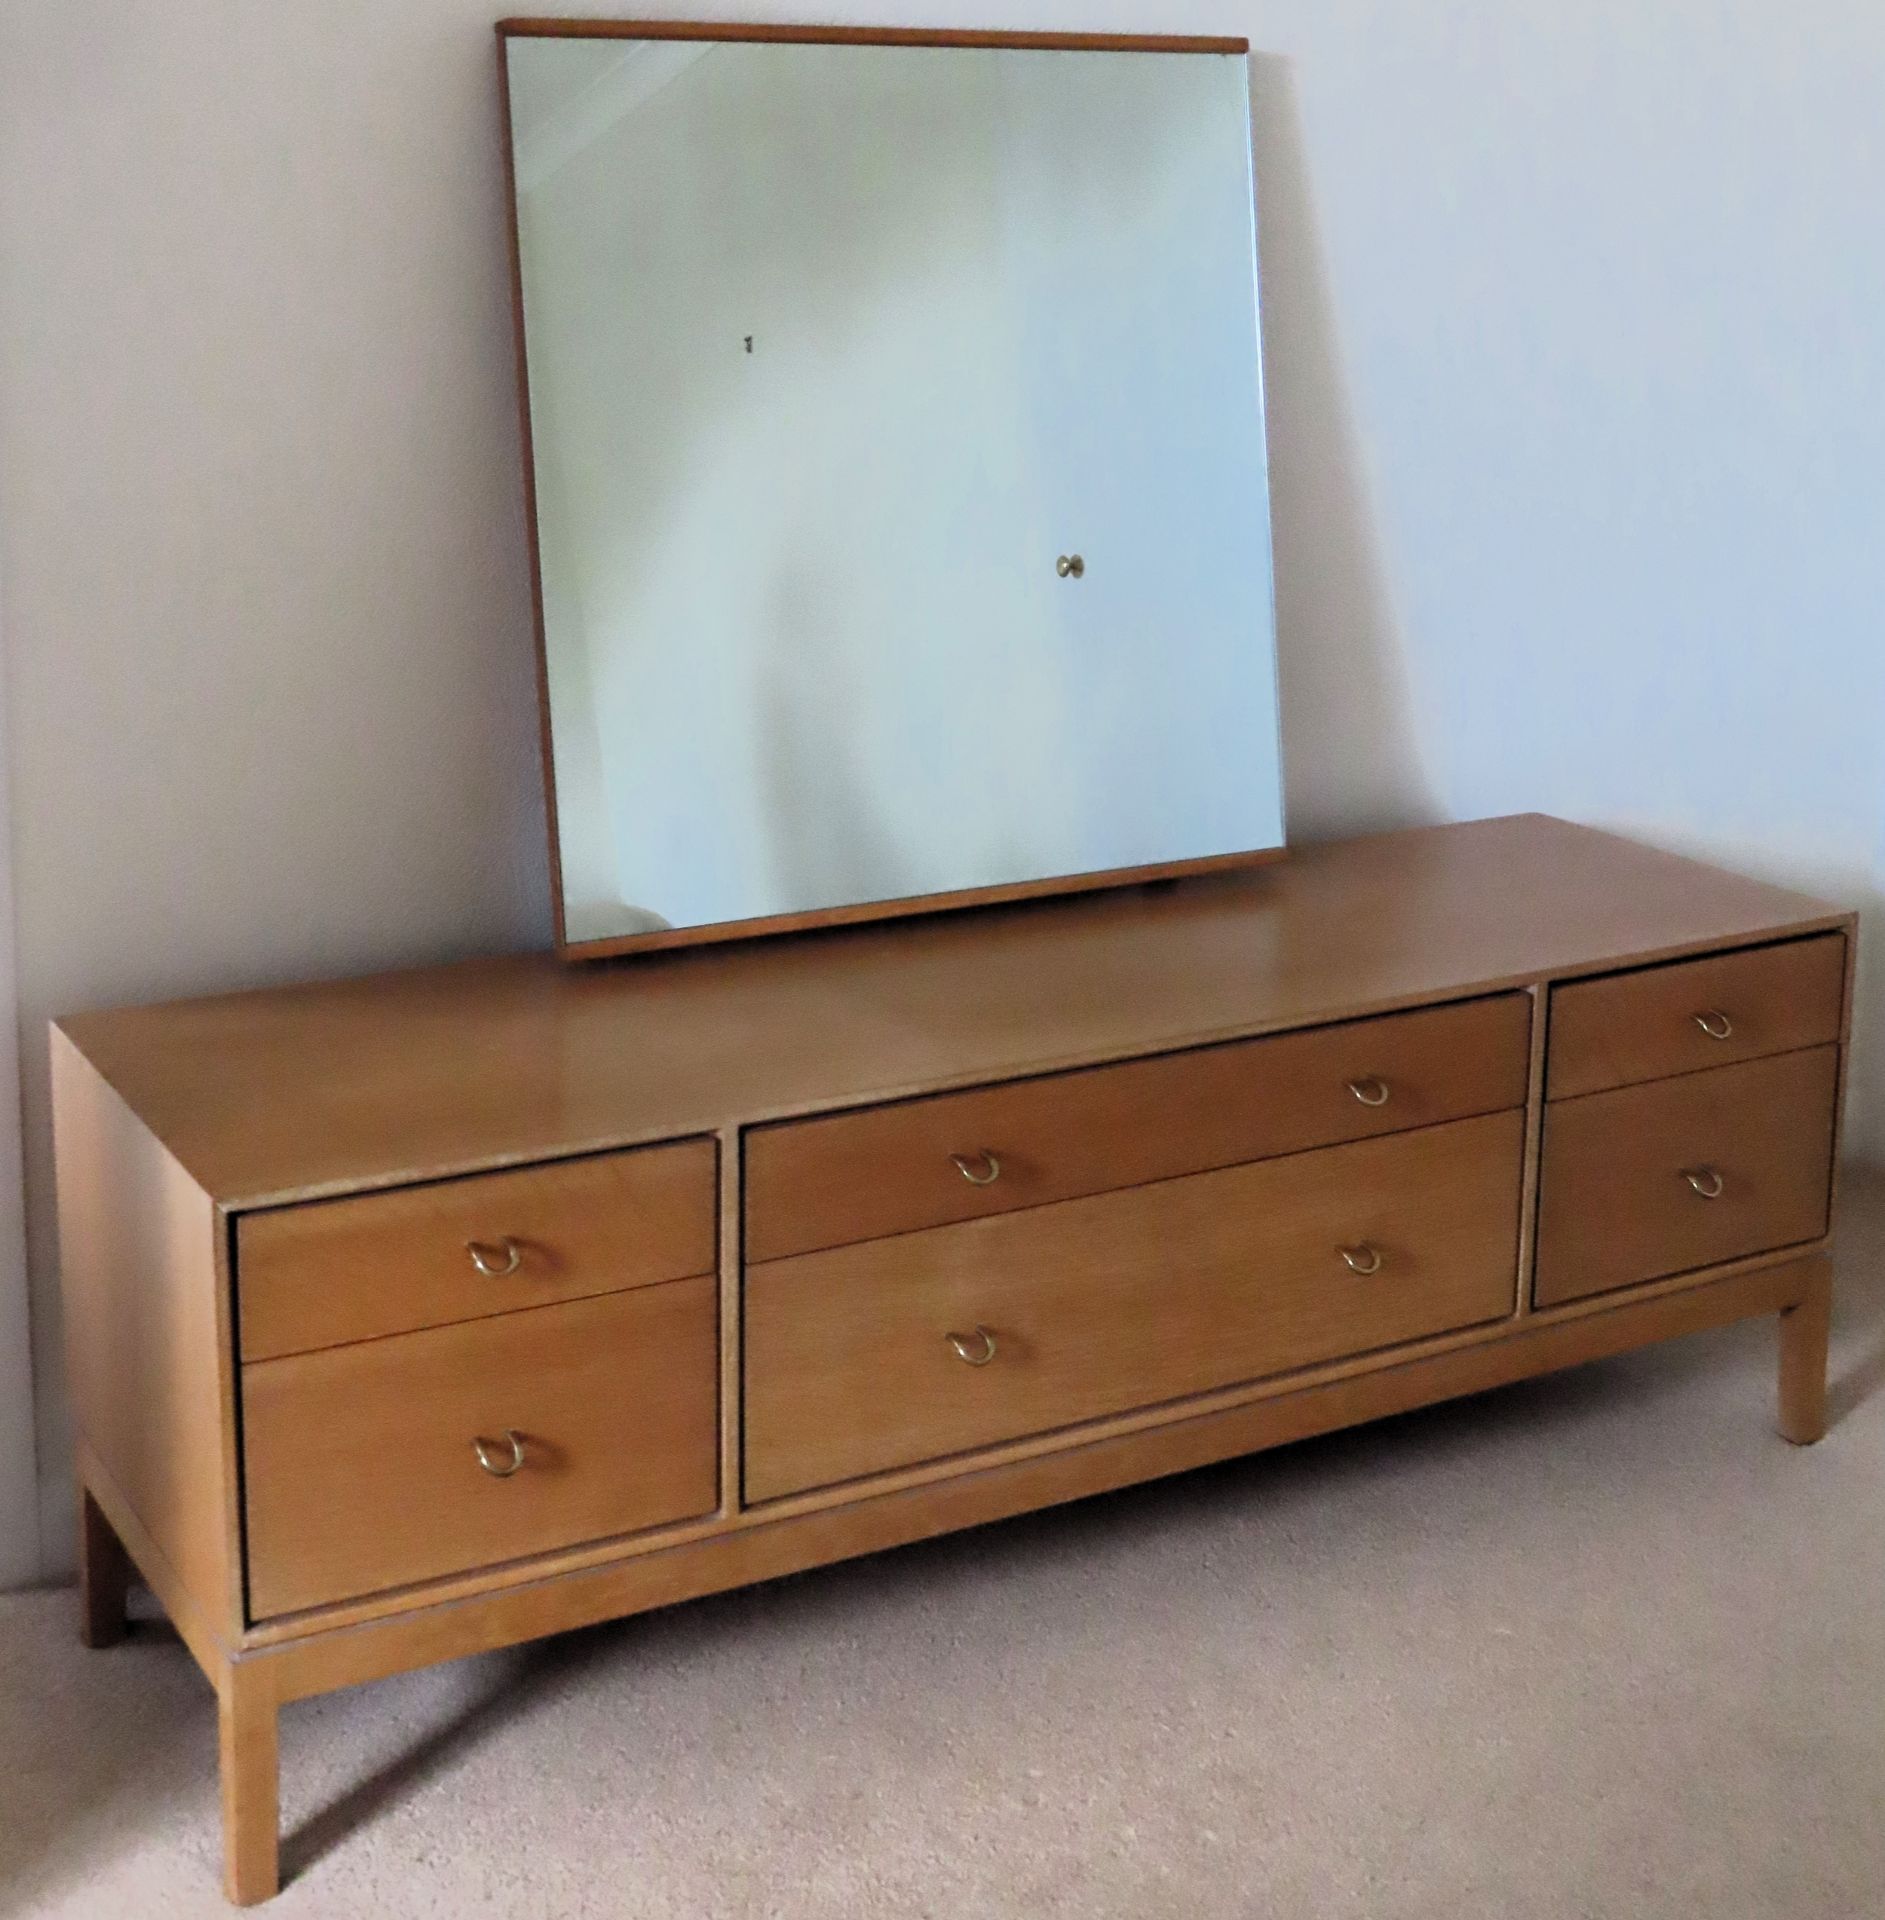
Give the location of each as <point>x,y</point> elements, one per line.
<point>1573,337</point>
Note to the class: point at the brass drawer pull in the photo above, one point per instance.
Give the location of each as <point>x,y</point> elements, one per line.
<point>965,1166</point>
<point>1364,1259</point>
<point>493,1462</point>
<point>1370,1091</point>
<point>1705,1180</point>
<point>965,1347</point>
<point>498,1261</point>
<point>1715,1024</point>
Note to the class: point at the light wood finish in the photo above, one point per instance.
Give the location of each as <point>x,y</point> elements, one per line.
<point>178,1126</point>
<point>587,29</point>
<point>1618,1203</point>
<point>104,1576</point>
<point>1650,1024</point>
<point>339,1270</point>
<point>892,1169</point>
<point>868,1521</point>
<point>362,1469</point>
<point>248,1722</point>
<point>500,1062</point>
<point>148,1358</point>
<point>1121,1300</point>
<point>1803,1338</point>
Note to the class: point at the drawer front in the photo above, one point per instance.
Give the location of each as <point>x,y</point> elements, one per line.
<point>1696,1014</point>
<point>924,1163</point>
<point>339,1270</point>
<point>1616,1206</point>
<point>362,1471</point>
<point>1121,1300</point>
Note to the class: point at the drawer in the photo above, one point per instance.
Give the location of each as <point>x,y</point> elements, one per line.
<point>890,1352</point>
<point>361,1466</point>
<point>960,1156</point>
<point>1696,1014</point>
<point>1615,1204</point>
<point>358,1269</point>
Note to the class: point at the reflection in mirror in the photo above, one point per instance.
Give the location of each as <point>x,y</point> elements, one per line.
<point>901,504</point>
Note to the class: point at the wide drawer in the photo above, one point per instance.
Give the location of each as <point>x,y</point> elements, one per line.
<point>374,1465</point>
<point>924,1163</point>
<point>425,1256</point>
<point>1658,1179</point>
<point>1692,1015</point>
<point>875,1356</point>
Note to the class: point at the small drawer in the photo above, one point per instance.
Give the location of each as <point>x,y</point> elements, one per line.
<point>426,1256</point>
<point>960,1156</point>
<point>865,1358</point>
<point>1653,1180</point>
<point>391,1461</point>
<point>1695,1014</point>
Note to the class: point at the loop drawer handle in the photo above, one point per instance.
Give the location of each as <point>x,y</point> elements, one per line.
<point>1364,1259</point>
<point>1370,1091</point>
<point>1715,1024</point>
<point>492,1462</point>
<point>1704,1180</point>
<point>495,1262</point>
<point>966,1167</point>
<point>963,1343</point>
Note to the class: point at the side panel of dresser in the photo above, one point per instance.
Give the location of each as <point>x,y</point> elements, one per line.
<point>145,1297</point>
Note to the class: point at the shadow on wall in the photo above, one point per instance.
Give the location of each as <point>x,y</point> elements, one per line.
<point>1350,759</point>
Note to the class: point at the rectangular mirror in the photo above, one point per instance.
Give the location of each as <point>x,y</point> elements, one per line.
<point>899,493</point>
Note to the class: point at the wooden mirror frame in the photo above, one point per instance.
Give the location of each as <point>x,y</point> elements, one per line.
<point>862,911</point>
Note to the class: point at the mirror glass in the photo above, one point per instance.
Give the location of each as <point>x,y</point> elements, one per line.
<point>900,493</point>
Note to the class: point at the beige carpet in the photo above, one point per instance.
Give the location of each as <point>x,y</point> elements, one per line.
<point>1597,1646</point>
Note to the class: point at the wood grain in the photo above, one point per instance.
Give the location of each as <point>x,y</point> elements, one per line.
<point>891,1169</point>
<point>1803,1340</point>
<point>587,29</point>
<point>768,1549</point>
<point>1616,1207</point>
<point>145,1313</point>
<point>339,1270</point>
<point>306,1092</point>
<point>1120,1300</point>
<point>248,1723</point>
<point>1644,1026</point>
<point>361,1467</point>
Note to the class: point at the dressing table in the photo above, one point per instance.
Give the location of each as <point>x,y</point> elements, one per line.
<point>423,1314</point>
<point>895,479</point>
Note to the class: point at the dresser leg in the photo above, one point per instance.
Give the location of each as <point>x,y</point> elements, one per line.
<point>104,1576</point>
<point>1803,1332</point>
<point>251,1772</point>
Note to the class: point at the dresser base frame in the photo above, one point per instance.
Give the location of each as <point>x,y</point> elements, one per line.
<point>253,1681</point>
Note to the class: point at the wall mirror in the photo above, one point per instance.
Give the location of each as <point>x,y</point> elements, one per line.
<point>896,467</point>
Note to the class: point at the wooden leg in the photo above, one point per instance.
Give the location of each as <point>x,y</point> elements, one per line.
<point>251,1772</point>
<point>1803,1331</point>
<point>104,1576</point>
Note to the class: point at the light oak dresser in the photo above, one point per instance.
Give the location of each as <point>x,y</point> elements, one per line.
<point>422,1314</point>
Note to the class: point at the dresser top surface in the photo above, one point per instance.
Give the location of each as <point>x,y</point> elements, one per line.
<point>289,1093</point>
